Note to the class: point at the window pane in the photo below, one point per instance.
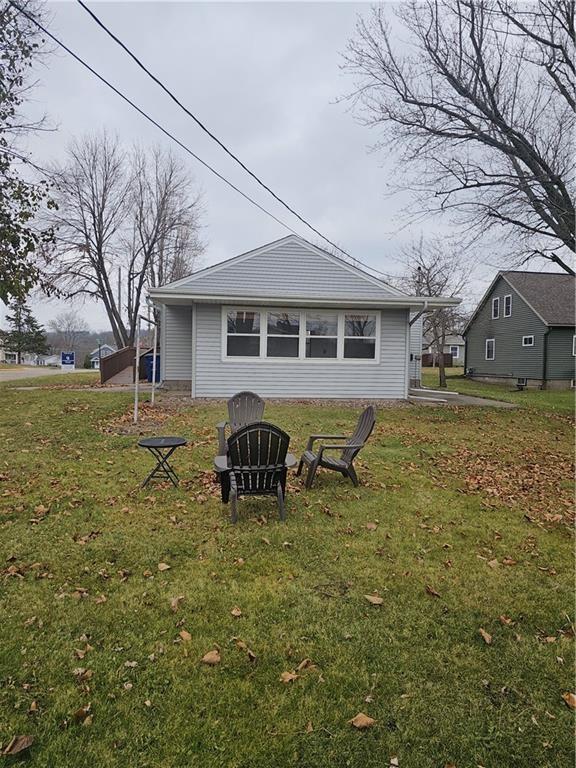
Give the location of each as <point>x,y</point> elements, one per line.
<point>243,346</point>
<point>360,325</point>
<point>284,323</point>
<point>321,347</point>
<point>360,348</point>
<point>243,322</point>
<point>321,324</point>
<point>490,350</point>
<point>279,346</point>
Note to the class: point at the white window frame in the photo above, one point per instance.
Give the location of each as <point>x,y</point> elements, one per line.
<point>574,346</point>
<point>508,314</point>
<point>495,308</point>
<point>525,343</point>
<point>452,348</point>
<point>493,349</point>
<point>263,358</point>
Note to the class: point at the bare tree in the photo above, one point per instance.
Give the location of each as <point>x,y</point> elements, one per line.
<point>480,102</point>
<point>70,328</point>
<point>433,270</point>
<point>119,213</point>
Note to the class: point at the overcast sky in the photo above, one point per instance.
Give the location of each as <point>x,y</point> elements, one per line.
<point>265,78</point>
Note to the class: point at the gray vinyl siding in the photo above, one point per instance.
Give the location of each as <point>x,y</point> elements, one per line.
<point>176,350</point>
<point>416,348</point>
<point>511,358</point>
<point>290,270</point>
<point>300,378</point>
<point>560,364</point>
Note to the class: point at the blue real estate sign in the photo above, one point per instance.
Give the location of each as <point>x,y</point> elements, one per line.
<point>67,361</point>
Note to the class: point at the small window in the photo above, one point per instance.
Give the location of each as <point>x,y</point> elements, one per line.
<point>495,308</point>
<point>574,346</point>
<point>490,349</point>
<point>321,334</point>
<point>508,305</point>
<point>283,334</point>
<point>243,329</point>
<point>455,351</point>
<point>527,341</point>
<point>360,336</point>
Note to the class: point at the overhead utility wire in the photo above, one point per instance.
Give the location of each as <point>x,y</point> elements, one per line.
<point>150,119</point>
<point>206,129</point>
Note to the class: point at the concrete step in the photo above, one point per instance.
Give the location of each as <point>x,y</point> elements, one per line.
<point>422,392</point>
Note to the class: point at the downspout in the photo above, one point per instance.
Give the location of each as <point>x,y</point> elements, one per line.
<point>465,355</point>
<point>545,359</point>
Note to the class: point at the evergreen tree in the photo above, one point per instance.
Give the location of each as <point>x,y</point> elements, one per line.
<point>25,334</point>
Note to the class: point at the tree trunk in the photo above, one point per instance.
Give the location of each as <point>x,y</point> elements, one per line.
<point>441,371</point>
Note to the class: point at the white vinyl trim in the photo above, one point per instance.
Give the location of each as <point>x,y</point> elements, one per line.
<point>263,335</point>
<point>528,341</point>
<point>495,308</point>
<point>508,305</point>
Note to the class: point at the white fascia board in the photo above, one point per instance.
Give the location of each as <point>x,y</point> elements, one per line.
<point>411,302</point>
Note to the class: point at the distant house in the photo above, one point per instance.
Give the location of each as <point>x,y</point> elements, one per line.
<point>104,350</point>
<point>290,320</point>
<point>454,346</point>
<point>523,330</point>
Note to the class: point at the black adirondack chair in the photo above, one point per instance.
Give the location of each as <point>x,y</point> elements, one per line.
<point>243,408</point>
<point>349,450</point>
<point>256,464</point>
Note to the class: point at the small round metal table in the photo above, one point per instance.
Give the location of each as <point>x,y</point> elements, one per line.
<point>162,448</point>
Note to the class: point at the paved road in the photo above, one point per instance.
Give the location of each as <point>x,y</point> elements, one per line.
<point>27,372</point>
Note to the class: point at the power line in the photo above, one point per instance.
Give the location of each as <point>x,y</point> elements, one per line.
<point>206,129</point>
<point>150,119</point>
<point>184,147</point>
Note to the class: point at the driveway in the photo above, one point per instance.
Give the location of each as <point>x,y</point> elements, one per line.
<point>29,371</point>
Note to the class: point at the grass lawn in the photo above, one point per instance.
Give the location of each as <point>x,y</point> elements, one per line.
<point>461,523</point>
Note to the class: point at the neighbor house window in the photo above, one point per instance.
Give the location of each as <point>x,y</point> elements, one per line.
<point>360,336</point>
<point>527,341</point>
<point>574,346</point>
<point>490,349</point>
<point>454,351</point>
<point>243,333</point>
<point>495,308</point>
<point>283,339</point>
<point>321,334</point>
<point>508,305</point>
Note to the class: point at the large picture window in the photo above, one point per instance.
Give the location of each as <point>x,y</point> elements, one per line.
<point>322,334</point>
<point>300,334</point>
<point>243,333</point>
<point>360,336</point>
<point>283,334</point>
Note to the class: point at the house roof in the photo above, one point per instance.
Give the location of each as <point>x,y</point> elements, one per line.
<point>100,348</point>
<point>450,339</point>
<point>551,295</point>
<point>290,271</point>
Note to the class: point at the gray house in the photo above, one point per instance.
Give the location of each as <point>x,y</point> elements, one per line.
<point>290,320</point>
<point>523,329</point>
<point>104,350</point>
<point>454,345</point>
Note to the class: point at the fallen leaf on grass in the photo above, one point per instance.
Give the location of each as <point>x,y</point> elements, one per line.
<point>371,526</point>
<point>374,599</point>
<point>431,591</point>
<point>485,636</point>
<point>186,636</point>
<point>505,620</point>
<point>306,664</point>
<point>288,677</point>
<point>100,599</point>
<point>81,714</point>
<point>163,567</point>
<point>236,611</point>
<point>362,721</point>
<point>309,727</point>
<point>211,658</point>
<point>569,699</point>
<point>175,603</point>
<point>18,744</point>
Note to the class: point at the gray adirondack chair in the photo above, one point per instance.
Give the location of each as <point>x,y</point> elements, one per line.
<point>256,464</point>
<point>243,408</point>
<point>349,450</point>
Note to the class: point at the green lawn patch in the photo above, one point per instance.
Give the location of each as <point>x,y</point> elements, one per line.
<point>101,649</point>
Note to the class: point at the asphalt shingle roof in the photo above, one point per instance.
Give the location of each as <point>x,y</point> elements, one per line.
<point>550,294</point>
